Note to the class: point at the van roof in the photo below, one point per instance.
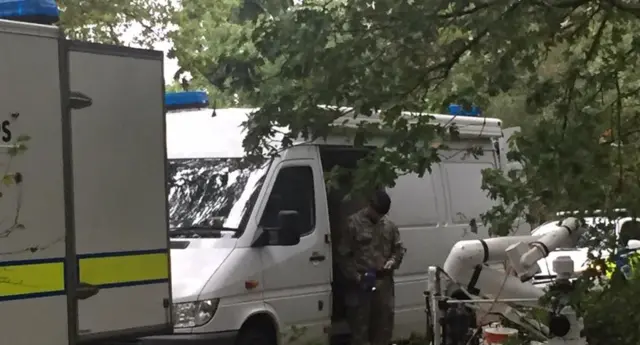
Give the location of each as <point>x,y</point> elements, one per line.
<point>200,134</point>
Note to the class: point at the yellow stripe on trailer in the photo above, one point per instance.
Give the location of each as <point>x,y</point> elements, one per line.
<point>31,279</point>
<point>119,269</point>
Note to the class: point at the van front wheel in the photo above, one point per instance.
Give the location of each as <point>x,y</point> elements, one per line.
<point>255,335</point>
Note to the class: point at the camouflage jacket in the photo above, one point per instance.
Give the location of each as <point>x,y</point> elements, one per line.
<point>366,245</point>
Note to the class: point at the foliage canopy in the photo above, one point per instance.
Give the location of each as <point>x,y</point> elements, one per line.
<point>566,63</point>
<point>108,21</point>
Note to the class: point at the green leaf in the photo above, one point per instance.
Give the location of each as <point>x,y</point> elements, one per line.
<point>13,151</point>
<point>23,138</point>
<point>107,22</point>
<point>7,180</point>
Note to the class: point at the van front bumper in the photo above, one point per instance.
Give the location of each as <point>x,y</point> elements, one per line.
<point>217,338</point>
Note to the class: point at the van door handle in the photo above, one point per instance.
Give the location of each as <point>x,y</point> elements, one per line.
<point>317,257</point>
<point>78,100</point>
<point>85,290</point>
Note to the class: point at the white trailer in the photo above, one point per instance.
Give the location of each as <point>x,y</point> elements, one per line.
<point>83,213</point>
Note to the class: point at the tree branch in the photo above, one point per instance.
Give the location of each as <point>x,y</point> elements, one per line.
<point>465,12</point>
<point>573,76</point>
<point>447,65</point>
<point>596,39</point>
<point>113,34</point>
<point>632,8</point>
<point>563,3</point>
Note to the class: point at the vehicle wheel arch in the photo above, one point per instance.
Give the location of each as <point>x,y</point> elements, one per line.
<point>264,321</point>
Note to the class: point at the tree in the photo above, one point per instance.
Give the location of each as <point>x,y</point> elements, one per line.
<point>393,56</point>
<point>212,43</point>
<point>107,21</point>
<point>579,149</point>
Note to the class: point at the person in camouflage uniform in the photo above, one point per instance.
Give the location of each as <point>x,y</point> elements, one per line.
<point>371,244</point>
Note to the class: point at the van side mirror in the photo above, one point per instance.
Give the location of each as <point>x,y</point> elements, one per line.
<point>633,244</point>
<point>287,233</point>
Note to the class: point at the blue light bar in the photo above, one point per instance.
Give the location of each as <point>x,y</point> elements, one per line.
<point>186,100</point>
<point>458,110</point>
<point>32,11</point>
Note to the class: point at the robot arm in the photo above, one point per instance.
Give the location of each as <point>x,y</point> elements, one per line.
<point>467,263</point>
<point>565,235</point>
<point>465,254</point>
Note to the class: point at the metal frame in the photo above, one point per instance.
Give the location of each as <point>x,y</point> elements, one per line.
<point>434,296</point>
<point>71,264</point>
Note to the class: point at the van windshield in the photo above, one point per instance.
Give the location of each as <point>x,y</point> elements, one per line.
<point>212,193</point>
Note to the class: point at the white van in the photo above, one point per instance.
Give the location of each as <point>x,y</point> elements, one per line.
<point>242,274</point>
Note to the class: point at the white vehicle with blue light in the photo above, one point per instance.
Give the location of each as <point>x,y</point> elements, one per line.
<point>84,250</point>
<point>251,256</point>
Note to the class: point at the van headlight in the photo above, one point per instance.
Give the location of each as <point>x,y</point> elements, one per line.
<point>194,314</point>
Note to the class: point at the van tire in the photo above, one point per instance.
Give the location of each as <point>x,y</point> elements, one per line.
<point>255,335</point>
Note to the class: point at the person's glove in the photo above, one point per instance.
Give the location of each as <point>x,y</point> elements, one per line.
<point>389,264</point>
<point>368,281</point>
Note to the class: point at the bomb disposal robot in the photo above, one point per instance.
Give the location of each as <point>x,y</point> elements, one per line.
<point>492,291</point>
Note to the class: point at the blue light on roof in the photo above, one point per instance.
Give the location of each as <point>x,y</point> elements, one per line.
<point>33,11</point>
<point>186,100</point>
<point>458,110</point>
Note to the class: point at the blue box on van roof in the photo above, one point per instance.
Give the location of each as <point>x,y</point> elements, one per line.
<point>186,100</point>
<point>459,110</point>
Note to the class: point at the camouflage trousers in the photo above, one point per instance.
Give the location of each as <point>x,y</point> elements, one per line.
<point>370,313</point>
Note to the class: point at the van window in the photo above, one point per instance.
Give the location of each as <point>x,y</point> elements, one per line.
<point>467,200</point>
<point>415,201</point>
<point>293,190</point>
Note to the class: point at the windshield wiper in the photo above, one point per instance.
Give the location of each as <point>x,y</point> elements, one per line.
<point>203,227</point>
<point>199,231</point>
